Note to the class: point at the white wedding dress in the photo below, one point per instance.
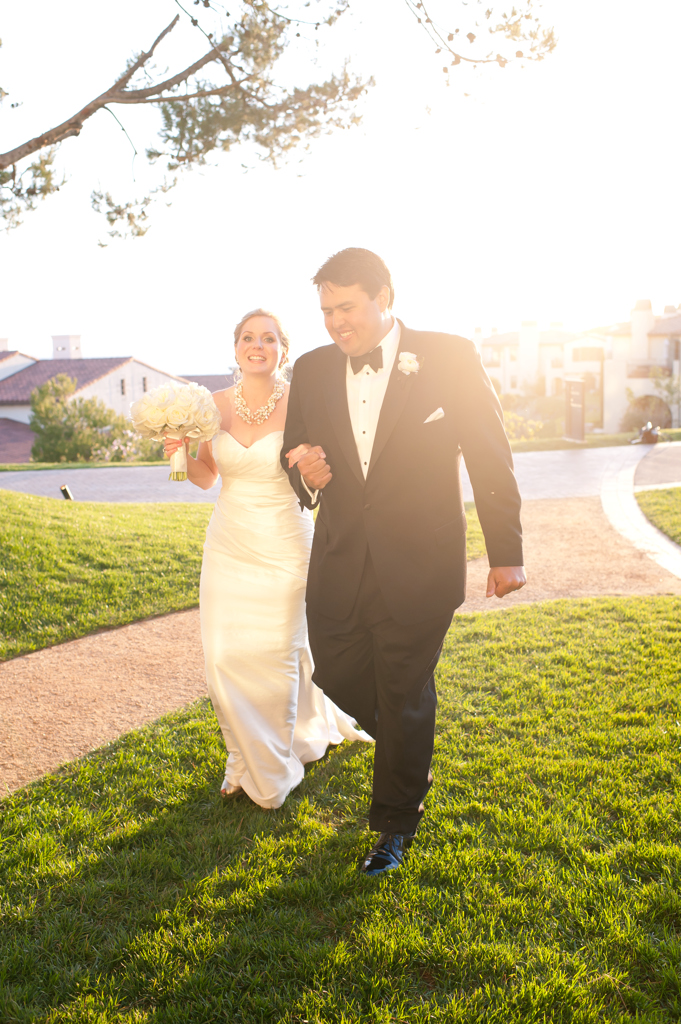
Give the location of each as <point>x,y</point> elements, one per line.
<point>258,665</point>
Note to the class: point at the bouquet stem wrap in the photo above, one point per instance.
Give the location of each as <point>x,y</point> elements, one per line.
<point>179,411</point>
<point>178,460</point>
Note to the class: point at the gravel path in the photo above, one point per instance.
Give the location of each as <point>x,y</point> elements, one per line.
<point>58,704</point>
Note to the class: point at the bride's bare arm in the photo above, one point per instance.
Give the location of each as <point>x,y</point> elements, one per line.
<point>202,470</point>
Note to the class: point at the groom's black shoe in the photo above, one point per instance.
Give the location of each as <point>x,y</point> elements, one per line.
<point>388,853</point>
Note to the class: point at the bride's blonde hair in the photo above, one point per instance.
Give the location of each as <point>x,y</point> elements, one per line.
<point>285,340</point>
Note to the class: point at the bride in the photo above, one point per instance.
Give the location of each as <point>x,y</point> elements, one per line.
<point>252,596</point>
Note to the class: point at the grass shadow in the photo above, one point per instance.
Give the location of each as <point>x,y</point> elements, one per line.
<point>543,885</point>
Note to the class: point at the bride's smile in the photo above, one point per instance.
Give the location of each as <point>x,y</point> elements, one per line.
<point>259,348</point>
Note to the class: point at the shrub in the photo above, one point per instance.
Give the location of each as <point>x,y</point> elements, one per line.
<point>644,409</point>
<point>71,429</point>
<point>520,429</point>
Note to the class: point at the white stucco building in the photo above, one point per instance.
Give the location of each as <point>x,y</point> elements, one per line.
<point>615,361</point>
<point>117,381</point>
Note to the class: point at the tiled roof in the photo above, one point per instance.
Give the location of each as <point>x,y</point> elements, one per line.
<point>16,441</point>
<point>501,339</point>
<point>212,381</point>
<point>612,329</point>
<point>556,336</point>
<point>14,352</point>
<point>667,325</point>
<point>16,390</point>
<point>551,337</point>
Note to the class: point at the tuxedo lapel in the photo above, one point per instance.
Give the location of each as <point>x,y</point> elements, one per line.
<point>396,395</point>
<point>337,404</point>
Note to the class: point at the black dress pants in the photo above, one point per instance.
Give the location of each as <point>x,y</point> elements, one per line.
<point>381,672</point>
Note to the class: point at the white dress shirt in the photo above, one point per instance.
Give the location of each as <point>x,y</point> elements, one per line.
<point>366,391</point>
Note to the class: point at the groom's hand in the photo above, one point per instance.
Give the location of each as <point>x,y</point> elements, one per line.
<point>311,461</point>
<point>504,579</point>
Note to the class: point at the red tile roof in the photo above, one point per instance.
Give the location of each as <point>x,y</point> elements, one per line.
<point>554,336</point>
<point>212,381</point>
<point>667,325</point>
<point>16,389</point>
<point>16,352</point>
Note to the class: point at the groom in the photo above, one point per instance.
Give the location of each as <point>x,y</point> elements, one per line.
<point>376,426</point>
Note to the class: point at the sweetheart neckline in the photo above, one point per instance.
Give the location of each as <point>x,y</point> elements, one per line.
<point>247,447</point>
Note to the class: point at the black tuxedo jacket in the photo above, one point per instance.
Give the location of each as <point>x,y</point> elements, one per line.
<point>409,511</point>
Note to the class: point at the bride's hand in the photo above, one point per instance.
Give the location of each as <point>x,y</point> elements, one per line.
<point>296,454</point>
<point>171,445</point>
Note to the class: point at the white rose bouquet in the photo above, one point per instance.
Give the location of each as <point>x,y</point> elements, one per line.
<point>176,410</point>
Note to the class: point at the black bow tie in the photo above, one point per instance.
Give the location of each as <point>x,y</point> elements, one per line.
<point>373,359</point>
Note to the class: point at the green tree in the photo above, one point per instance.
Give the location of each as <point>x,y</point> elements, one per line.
<point>71,429</point>
<point>225,98</point>
<point>668,388</point>
<point>230,95</point>
<point>645,409</point>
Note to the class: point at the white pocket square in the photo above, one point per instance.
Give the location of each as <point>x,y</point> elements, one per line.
<point>437,415</point>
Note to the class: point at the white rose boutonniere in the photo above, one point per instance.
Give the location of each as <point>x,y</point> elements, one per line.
<point>408,363</point>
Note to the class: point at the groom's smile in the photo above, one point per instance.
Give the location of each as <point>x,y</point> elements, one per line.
<point>355,322</point>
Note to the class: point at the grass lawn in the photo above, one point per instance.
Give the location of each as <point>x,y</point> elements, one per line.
<point>544,885</point>
<point>663,508</point>
<point>16,467</point>
<point>550,444</point>
<point>69,568</point>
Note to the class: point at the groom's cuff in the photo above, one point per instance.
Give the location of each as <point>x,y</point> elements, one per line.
<point>313,494</point>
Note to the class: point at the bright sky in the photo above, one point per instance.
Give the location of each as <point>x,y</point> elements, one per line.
<point>548,193</point>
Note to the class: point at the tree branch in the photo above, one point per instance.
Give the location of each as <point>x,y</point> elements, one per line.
<point>73,126</point>
<point>182,97</point>
<point>143,57</point>
<point>139,95</point>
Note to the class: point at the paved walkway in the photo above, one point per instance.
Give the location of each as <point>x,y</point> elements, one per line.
<point>660,468</point>
<point>574,473</point>
<point>110,483</point>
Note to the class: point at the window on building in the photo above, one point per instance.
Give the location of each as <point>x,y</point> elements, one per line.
<point>122,385</point>
<point>514,382</point>
<point>144,383</point>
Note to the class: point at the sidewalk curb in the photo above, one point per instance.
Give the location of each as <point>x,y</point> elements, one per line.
<point>622,509</point>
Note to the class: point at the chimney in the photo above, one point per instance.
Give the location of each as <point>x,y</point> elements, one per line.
<point>528,352</point>
<point>642,321</point>
<point>4,344</point>
<point>66,346</point>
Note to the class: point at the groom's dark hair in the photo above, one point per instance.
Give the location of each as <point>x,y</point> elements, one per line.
<point>356,266</point>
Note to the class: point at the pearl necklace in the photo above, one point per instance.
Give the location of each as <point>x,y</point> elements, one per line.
<point>265,411</point>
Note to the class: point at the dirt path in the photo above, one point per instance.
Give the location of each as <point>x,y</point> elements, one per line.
<point>571,550</point>
<point>57,704</point>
